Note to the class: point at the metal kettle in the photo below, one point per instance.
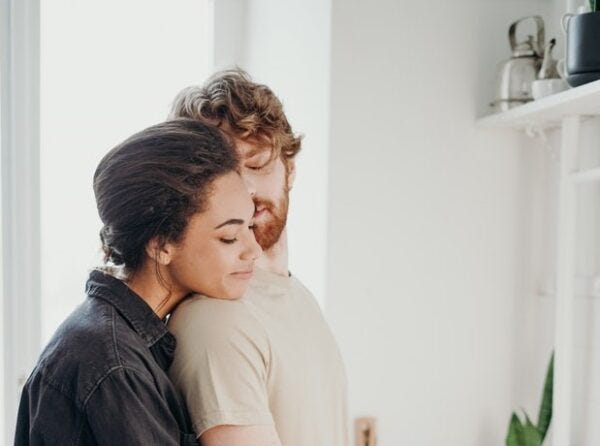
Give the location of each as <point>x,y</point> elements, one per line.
<point>517,73</point>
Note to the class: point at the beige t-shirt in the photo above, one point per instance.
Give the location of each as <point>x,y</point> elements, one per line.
<point>266,358</point>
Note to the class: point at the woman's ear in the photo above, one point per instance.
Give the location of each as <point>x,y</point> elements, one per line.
<point>291,173</point>
<point>159,251</point>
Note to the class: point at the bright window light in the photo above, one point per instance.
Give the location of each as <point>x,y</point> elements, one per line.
<point>108,69</point>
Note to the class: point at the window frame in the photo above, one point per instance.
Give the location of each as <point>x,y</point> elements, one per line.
<point>20,227</point>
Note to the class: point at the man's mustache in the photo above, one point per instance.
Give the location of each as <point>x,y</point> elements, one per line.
<point>260,204</point>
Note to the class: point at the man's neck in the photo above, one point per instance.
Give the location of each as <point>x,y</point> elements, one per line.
<point>275,259</point>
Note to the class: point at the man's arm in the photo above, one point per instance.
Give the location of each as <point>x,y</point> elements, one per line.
<point>240,436</point>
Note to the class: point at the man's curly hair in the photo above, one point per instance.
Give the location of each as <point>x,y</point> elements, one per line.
<point>242,109</point>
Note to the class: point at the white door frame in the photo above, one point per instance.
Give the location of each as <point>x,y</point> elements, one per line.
<point>19,87</point>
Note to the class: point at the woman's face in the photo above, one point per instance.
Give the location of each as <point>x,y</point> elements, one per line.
<point>216,255</point>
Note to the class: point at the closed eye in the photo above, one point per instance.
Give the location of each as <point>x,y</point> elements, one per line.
<point>230,241</point>
<point>260,167</point>
<point>257,165</point>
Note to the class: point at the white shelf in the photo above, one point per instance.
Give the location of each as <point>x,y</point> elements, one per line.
<point>549,111</point>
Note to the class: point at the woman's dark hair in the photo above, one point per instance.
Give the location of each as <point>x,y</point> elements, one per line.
<point>151,184</point>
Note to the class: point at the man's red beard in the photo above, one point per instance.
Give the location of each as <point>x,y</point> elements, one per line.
<point>268,229</point>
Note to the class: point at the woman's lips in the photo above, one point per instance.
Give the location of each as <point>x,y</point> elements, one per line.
<point>243,274</point>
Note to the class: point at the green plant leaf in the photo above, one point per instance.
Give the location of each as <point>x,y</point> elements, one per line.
<point>515,432</point>
<point>545,414</point>
<point>531,434</point>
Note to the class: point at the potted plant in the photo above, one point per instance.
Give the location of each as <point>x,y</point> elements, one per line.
<point>526,433</point>
<point>583,45</point>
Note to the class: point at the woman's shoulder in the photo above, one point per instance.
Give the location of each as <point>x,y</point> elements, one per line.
<point>80,352</point>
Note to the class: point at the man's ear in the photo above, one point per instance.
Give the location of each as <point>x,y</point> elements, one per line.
<point>159,251</point>
<point>291,173</point>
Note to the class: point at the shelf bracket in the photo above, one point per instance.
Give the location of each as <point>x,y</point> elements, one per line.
<point>535,131</point>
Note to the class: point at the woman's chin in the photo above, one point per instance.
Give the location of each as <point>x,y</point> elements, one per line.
<point>226,295</point>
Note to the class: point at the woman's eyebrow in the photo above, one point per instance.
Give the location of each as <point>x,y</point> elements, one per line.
<point>231,221</point>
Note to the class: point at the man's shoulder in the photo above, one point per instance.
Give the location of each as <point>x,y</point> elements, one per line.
<point>303,296</point>
<point>203,315</point>
<point>201,306</point>
<point>209,328</point>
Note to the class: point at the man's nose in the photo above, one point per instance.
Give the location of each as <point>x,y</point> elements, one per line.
<point>250,184</point>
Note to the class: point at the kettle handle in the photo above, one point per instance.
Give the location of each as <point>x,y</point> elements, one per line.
<point>565,19</point>
<point>562,69</point>
<point>541,34</point>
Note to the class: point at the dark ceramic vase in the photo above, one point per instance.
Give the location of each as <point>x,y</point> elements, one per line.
<point>583,49</point>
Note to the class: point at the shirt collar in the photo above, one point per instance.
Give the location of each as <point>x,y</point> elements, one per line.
<point>132,307</point>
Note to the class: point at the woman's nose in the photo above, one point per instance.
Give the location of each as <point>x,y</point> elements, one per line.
<point>253,249</point>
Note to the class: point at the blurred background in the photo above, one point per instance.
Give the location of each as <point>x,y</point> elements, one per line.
<point>429,242</point>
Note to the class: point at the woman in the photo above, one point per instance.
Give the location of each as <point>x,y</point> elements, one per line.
<point>177,220</point>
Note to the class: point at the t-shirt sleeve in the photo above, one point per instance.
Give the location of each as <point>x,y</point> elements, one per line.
<point>221,364</point>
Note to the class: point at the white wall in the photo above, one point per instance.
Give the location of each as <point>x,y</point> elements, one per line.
<point>285,44</point>
<point>429,222</point>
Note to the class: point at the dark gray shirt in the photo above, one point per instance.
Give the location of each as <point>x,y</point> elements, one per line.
<point>102,378</point>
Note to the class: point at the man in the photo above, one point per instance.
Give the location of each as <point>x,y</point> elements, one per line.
<point>264,369</point>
